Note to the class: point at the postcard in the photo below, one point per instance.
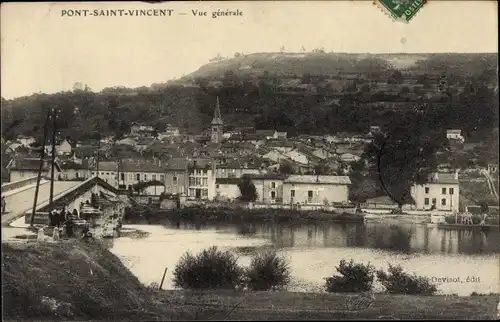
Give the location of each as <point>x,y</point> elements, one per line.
<point>238,160</point>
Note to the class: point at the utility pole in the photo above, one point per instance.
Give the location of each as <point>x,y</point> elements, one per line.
<point>53,161</point>
<point>40,168</point>
<point>98,148</point>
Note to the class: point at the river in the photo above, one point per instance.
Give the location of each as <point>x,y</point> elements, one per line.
<point>314,250</point>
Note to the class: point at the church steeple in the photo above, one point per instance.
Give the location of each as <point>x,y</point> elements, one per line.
<point>217,119</point>
<point>217,124</point>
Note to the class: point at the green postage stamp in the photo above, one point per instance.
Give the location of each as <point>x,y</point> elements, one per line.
<point>401,10</point>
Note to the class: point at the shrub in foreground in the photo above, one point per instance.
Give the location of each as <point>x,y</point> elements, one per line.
<point>396,281</point>
<point>267,271</point>
<point>210,269</point>
<point>354,278</point>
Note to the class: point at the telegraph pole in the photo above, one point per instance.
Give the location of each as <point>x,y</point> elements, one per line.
<point>40,168</point>
<point>54,129</point>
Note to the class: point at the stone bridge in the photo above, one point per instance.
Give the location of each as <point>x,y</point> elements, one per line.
<point>19,196</point>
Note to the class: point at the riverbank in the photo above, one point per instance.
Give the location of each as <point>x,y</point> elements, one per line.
<point>231,215</point>
<point>78,280</point>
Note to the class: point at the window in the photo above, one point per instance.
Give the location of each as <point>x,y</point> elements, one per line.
<point>204,182</point>
<point>138,176</point>
<point>204,192</point>
<point>191,192</point>
<point>145,177</point>
<point>122,176</point>
<point>292,193</point>
<point>131,176</point>
<point>426,189</point>
<point>451,191</point>
<point>273,194</point>
<point>433,201</point>
<point>426,201</point>
<point>191,181</point>
<point>197,181</point>
<point>154,177</point>
<point>273,185</point>
<point>310,194</point>
<point>174,180</point>
<point>443,202</point>
<point>443,191</point>
<point>162,177</point>
<point>217,186</point>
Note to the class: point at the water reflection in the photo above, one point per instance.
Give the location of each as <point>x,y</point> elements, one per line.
<point>396,237</point>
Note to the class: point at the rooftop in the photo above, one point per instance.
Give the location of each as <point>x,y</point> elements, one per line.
<point>443,178</point>
<point>318,179</point>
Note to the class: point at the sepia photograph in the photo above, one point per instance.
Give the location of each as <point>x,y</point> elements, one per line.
<point>250,160</point>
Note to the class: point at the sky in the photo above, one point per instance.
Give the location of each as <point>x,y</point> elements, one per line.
<point>43,51</point>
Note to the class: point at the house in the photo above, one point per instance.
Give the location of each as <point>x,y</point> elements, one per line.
<point>349,158</point>
<point>25,140</point>
<point>64,148</point>
<point>71,170</point>
<point>227,188</point>
<point>23,168</point>
<point>170,131</point>
<point>454,134</point>
<point>281,145</point>
<point>267,134</point>
<point>140,130</point>
<point>274,155</point>
<point>238,167</point>
<point>297,156</point>
<point>316,189</point>
<point>143,144</point>
<point>176,176</point>
<point>323,153</point>
<point>281,135</point>
<point>440,192</point>
<point>127,141</point>
<point>201,179</point>
<point>269,187</point>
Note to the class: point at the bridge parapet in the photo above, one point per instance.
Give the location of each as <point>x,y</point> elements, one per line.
<point>9,186</point>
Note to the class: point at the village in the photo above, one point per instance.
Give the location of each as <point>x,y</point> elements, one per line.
<point>310,171</point>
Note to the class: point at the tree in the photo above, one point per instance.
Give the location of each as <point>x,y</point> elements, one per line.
<point>396,78</point>
<point>286,168</point>
<point>405,90</point>
<point>247,189</point>
<point>403,157</point>
<point>321,169</point>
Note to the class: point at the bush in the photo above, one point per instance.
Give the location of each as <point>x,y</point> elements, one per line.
<point>210,269</point>
<point>399,282</point>
<point>267,271</point>
<point>355,278</point>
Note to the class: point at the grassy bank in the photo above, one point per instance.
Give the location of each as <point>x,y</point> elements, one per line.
<point>233,305</point>
<point>83,281</point>
<point>72,280</point>
<point>153,216</point>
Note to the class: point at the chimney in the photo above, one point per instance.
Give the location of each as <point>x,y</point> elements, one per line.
<point>436,176</point>
<point>159,163</point>
<point>456,174</point>
<point>317,178</point>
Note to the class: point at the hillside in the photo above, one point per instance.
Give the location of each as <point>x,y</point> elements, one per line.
<point>71,280</point>
<point>330,64</point>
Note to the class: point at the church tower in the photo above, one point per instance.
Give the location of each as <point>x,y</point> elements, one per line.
<point>217,125</point>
